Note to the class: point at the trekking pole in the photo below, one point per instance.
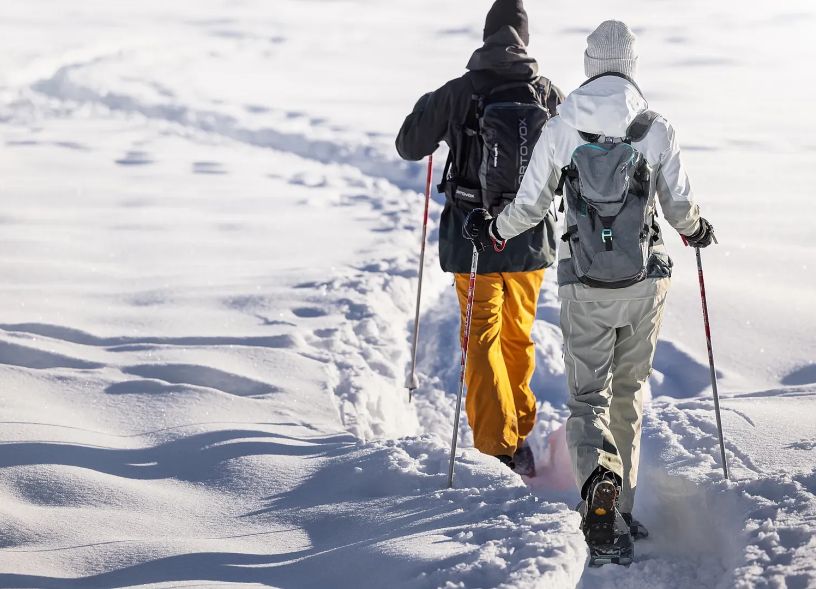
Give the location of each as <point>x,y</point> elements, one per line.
<point>711,357</point>
<point>412,383</point>
<point>466,337</point>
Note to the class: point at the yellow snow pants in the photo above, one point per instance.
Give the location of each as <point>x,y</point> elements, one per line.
<point>500,405</point>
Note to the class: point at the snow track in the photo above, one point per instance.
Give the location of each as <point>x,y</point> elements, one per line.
<point>206,300</point>
<point>313,140</point>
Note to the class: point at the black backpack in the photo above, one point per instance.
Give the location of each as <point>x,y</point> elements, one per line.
<point>508,121</point>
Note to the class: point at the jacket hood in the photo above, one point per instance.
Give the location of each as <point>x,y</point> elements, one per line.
<point>605,106</point>
<point>504,53</point>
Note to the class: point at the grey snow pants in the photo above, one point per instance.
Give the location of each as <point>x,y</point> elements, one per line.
<point>610,337</point>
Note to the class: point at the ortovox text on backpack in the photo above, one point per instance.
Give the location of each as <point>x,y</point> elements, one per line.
<point>510,120</point>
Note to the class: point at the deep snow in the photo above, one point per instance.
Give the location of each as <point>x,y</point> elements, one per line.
<point>209,253</point>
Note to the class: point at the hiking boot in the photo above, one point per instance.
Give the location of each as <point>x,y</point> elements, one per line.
<point>507,461</point>
<point>524,461</point>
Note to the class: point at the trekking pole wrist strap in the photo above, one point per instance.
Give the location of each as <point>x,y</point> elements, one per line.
<point>498,242</point>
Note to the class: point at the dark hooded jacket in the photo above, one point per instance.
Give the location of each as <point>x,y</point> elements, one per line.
<point>443,116</point>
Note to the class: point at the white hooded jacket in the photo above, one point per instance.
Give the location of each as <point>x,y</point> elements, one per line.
<point>605,106</point>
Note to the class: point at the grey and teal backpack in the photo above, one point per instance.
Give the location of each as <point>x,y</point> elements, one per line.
<point>610,219</point>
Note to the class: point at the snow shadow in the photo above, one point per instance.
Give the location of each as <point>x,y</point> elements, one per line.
<point>460,32</point>
<point>194,458</point>
<point>123,344</point>
<point>73,145</point>
<point>16,355</point>
<point>801,376</point>
<point>677,373</point>
<point>134,158</point>
<point>346,539</point>
<point>201,376</point>
<point>209,168</point>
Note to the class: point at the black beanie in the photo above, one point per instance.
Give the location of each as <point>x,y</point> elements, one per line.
<point>507,12</point>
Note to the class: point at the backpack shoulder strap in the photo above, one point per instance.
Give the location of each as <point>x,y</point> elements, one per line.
<point>470,132</point>
<point>640,126</point>
<point>545,89</point>
<point>545,86</point>
<point>470,123</point>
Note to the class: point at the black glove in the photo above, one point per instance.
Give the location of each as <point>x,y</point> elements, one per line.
<point>480,228</point>
<point>703,237</point>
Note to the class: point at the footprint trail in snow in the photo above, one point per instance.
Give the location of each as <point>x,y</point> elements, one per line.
<point>208,283</point>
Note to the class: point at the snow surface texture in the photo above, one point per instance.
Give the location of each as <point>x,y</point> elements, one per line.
<point>209,253</point>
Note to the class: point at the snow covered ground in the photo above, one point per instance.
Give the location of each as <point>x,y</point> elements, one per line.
<point>209,248</point>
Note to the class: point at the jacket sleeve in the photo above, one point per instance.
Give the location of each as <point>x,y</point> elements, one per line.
<point>673,189</point>
<point>425,127</point>
<point>536,193</point>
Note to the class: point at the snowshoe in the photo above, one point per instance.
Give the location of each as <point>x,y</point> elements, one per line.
<point>621,551</point>
<point>524,461</point>
<point>606,532</point>
<point>636,529</point>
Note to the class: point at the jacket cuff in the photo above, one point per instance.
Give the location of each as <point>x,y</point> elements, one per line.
<point>494,232</point>
<point>697,233</point>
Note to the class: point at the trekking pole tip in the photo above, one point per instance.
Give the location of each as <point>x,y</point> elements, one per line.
<point>412,383</point>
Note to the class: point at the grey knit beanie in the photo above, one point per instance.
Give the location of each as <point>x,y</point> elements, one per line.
<point>611,48</point>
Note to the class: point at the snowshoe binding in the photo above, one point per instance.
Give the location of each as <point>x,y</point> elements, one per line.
<point>607,533</point>
<point>636,529</point>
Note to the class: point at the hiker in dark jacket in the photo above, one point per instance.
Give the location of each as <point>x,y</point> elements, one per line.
<point>500,405</point>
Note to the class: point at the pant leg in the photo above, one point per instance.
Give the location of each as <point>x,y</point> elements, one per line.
<point>589,343</point>
<point>521,291</point>
<point>631,365</point>
<point>489,403</point>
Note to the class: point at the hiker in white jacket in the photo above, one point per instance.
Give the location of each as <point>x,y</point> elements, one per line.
<point>609,333</point>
